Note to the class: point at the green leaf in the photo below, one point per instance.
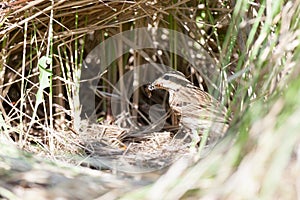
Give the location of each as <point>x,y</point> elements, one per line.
<point>44,77</point>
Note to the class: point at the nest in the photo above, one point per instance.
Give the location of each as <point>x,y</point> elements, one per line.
<point>254,47</point>
<point>107,147</point>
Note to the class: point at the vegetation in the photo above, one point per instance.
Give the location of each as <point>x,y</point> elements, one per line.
<point>254,47</point>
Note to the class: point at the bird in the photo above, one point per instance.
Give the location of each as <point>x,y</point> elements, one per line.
<point>199,112</point>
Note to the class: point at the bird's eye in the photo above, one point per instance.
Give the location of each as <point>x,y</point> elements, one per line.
<point>166,77</point>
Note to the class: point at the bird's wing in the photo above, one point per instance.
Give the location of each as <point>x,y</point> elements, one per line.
<point>205,105</point>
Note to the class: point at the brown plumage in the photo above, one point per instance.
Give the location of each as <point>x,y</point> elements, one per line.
<point>198,110</point>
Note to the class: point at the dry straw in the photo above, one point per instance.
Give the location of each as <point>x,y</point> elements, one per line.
<point>255,46</point>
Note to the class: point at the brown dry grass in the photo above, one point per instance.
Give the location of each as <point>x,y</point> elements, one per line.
<point>256,48</point>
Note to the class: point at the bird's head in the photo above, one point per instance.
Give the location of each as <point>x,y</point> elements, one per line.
<point>171,80</point>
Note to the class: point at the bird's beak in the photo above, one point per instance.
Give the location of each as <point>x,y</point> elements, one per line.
<point>155,85</point>
<point>148,90</point>
<point>151,87</point>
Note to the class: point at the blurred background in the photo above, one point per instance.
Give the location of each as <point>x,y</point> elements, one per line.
<point>249,61</point>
